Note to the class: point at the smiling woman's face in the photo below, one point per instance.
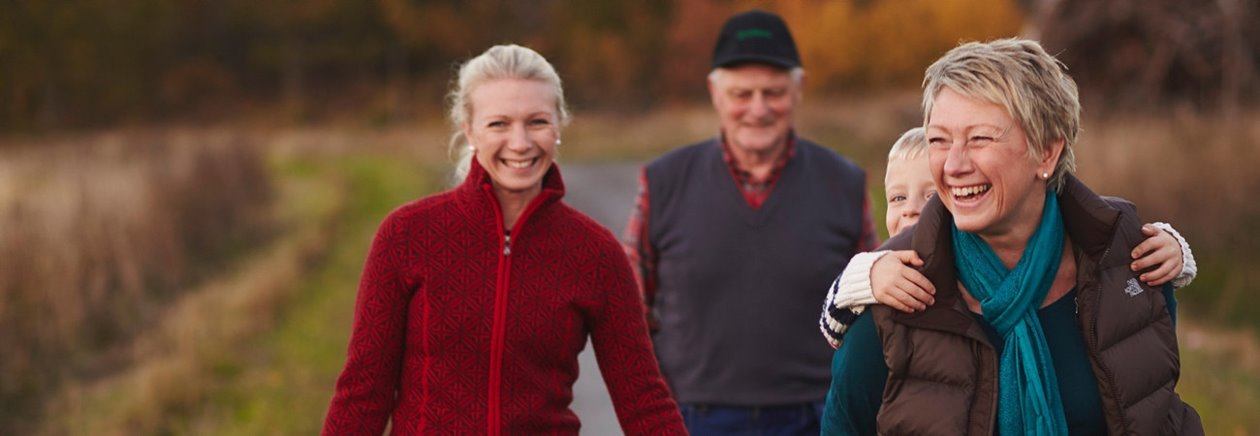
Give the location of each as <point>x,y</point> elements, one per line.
<point>513,130</point>
<point>982,169</point>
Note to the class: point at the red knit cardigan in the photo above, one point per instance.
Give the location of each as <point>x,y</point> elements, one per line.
<point>460,330</point>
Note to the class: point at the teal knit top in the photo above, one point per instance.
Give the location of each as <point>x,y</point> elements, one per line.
<point>859,373</point>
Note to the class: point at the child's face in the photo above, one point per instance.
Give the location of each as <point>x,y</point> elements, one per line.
<point>908,184</point>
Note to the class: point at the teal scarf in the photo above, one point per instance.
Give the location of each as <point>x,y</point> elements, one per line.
<point>1028,392</point>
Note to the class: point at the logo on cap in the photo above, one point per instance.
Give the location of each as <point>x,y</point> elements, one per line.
<point>753,33</point>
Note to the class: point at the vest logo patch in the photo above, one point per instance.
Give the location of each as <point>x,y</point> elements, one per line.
<point>1133,288</point>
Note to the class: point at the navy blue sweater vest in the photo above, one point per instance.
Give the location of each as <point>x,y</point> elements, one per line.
<point>739,289</point>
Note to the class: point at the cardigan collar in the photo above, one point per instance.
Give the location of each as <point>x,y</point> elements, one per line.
<point>552,183</point>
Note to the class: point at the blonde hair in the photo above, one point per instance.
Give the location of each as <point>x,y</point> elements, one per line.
<point>911,145</point>
<point>1018,75</point>
<point>509,61</point>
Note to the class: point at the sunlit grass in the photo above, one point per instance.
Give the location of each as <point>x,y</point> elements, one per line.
<point>289,374</point>
<point>1220,377</point>
<point>193,347</point>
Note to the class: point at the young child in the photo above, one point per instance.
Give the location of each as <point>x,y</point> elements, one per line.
<point>888,277</point>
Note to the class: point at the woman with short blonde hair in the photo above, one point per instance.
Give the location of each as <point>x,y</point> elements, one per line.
<point>1039,325</point>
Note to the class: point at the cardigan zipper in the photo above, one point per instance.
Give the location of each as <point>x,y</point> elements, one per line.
<point>496,344</point>
<point>498,329</point>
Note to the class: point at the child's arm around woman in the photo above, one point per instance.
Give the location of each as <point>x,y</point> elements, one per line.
<point>890,278</point>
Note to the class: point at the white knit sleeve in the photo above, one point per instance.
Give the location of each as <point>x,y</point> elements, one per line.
<point>855,281</point>
<point>1188,267</point>
<point>848,297</point>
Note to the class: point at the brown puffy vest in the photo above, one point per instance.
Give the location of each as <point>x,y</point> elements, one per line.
<point>943,372</point>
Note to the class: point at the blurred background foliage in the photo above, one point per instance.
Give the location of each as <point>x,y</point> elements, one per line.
<point>90,63</point>
<point>85,63</point>
<point>187,186</point>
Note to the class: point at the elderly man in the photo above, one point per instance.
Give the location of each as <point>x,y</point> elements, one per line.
<point>736,239</point>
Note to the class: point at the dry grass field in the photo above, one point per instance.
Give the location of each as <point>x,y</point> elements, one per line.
<point>99,233</point>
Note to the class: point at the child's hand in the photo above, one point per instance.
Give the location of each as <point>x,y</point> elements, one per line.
<point>1160,249</point>
<point>895,284</point>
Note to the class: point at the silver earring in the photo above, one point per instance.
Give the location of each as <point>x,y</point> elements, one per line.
<point>1045,176</point>
<point>557,141</point>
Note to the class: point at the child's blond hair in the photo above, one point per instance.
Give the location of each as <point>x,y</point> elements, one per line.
<point>911,145</point>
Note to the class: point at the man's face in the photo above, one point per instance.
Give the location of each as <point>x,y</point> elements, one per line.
<point>756,103</point>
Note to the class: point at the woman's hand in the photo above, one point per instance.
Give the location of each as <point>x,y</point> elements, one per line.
<point>895,284</point>
<point>1160,250</point>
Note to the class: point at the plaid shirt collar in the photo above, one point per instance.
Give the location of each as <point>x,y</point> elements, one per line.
<point>749,185</point>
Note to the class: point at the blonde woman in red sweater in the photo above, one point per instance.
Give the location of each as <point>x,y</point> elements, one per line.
<point>475,302</point>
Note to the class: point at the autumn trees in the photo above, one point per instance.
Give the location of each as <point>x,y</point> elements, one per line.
<point>76,63</point>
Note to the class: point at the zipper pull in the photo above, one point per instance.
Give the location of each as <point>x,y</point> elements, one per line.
<point>507,245</point>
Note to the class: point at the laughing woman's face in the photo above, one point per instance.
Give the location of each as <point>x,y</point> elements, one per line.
<point>982,169</point>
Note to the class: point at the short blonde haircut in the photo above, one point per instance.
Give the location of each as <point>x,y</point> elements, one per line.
<point>911,145</point>
<point>509,61</point>
<point>1018,75</point>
